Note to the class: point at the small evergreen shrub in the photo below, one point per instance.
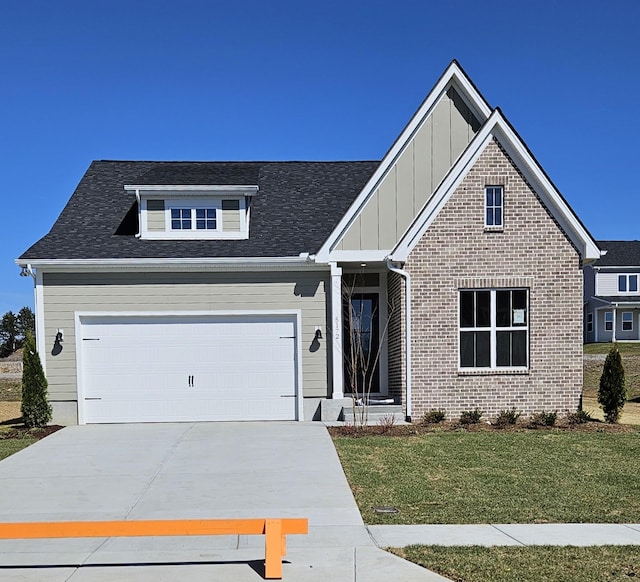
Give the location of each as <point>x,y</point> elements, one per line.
<point>506,418</point>
<point>471,416</point>
<point>612,393</point>
<point>36,410</point>
<point>434,416</point>
<point>543,419</point>
<point>579,417</point>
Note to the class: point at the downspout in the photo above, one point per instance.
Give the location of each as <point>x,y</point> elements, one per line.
<point>407,278</point>
<point>139,233</point>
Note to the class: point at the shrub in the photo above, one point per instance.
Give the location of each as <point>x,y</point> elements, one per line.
<point>434,416</point>
<point>579,417</point>
<point>543,419</point>
<point>506,418</point>
<point>36,410</point>
<point>612,393</point>
<point>471,416</point>
<point>387,422</point>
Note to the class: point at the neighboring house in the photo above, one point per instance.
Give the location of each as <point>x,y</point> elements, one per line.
<point>179,291</point>
<point>612,293</point>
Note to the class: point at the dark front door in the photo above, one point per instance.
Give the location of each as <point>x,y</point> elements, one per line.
<point>362,343</point>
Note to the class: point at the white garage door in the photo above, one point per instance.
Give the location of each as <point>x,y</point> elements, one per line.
<point>166,369</point>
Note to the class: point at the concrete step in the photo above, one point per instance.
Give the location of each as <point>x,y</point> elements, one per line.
<point>374,414</point>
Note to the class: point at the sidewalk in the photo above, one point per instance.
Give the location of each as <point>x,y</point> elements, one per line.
<point>546,534</point>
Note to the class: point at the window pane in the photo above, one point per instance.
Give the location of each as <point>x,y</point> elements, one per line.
<point>175,213</point>
<point>483,349</point>
<point>633,283</point>
<point>518,348</point>
<point>483,309</point>
<point>498,217</point>
<point>622,282</point>
<point>503,348</point>
<point>503,308</point>
<point>489,217</point>
<point>497,199</point>
<point>175,225</point>
<point>519,303</point>
<point>489,192</point>
<point>466,308</point>
<point>466,349</point>
<point>200,213</point>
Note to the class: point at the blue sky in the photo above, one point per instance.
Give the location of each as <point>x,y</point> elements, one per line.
<point>285,80</point>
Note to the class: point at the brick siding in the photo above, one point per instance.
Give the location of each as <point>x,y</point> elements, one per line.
<point>456,252</point>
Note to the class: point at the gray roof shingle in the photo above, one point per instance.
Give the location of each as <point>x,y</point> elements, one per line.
<point>295,210</point>
<point>620,253</point>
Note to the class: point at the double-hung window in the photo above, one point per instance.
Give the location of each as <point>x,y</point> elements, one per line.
<point>494,206</point>
<point>589,322</point>
<point>494,329</point>
<point>627,321</point>
<point>627,283</point>
<point>608,320</point>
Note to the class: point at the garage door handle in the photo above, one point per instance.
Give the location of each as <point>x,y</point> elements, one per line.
<point>90,339</point>
<point>93,398</point>
<point>287,395</point>
<point>287,337</point>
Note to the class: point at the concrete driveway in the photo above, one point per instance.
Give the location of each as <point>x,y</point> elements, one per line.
<point>188,471</point>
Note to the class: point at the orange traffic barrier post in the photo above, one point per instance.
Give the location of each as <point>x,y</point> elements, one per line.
<point>275,531</point>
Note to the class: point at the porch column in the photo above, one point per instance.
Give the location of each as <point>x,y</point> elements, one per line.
<point>613,337</point>
<point>336,331</point>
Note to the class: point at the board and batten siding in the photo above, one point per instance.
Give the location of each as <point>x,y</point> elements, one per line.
<point>66,293</point>
<point>155,215</point>
<point>414,176</point>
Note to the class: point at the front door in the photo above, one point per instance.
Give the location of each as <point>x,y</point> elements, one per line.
<point>362,343</point>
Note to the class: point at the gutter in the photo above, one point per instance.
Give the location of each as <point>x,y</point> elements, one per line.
<point>407,279</point>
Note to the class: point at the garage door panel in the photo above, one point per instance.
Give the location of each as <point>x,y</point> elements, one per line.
<point>181,369</point>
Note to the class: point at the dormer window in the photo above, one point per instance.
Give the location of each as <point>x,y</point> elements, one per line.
<point>194,212</point>
<point>627,283</point>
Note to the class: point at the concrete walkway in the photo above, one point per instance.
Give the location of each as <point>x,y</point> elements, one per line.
<point>189,471</point>
<point>547,534</point>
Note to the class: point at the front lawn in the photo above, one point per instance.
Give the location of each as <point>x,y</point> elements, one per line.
<point>9,446</point>
<point>496,477</point>
<point>530,564</point>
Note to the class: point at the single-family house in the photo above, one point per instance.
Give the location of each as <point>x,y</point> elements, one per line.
<point>186,291</point>
<point>612,293</point>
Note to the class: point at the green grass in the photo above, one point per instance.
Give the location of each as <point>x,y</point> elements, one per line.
<point>530,564</point>
<point>625,349</point>
<point>10,446</point>
<point>490,477</point>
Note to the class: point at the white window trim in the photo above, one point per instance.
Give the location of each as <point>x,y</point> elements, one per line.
<point>493,207</point>
<point>493,329</point>
<point>630,320</point>
<point>194,202</point>
<point>627,276</point>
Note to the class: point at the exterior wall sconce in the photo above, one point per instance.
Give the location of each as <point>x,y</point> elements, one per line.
<point>59,336</point>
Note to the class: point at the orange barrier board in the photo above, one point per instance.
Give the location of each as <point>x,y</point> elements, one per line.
<point>275,532</point>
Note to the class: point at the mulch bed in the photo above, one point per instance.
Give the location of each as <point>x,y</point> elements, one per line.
<point>22,432</point>
<point>406,430</point>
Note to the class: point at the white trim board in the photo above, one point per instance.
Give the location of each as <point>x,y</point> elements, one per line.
<point>498,127</point>
<point>453,76</point>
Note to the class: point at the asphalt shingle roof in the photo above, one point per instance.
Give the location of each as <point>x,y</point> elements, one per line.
<point>295,210</point>
<point>620,253</point>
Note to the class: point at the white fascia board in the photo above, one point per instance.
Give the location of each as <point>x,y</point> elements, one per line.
<point>497,126</point>
<point>452,76</point>
<point>369,256</point>
<point>247,190</point>
<point>534,174</point>
<point>176,264</point>
<point>447,187</point>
